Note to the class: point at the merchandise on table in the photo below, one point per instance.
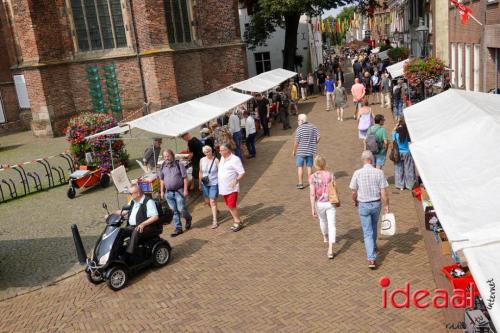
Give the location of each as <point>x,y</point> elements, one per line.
<point>460,278</point>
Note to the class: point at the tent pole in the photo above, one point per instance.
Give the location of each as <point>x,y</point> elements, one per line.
<point>111,154</point>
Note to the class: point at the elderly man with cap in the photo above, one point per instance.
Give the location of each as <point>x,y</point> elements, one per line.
<point>151,154</point>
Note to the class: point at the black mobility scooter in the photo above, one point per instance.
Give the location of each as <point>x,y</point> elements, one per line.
<point>110,262</point>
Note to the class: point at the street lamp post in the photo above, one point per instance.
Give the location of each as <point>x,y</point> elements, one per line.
<point>422,30</point>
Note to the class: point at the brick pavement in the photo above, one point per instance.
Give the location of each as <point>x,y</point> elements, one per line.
<point>271,276</point>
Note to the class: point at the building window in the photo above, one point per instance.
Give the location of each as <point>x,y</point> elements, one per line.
<point>454,64</point>
<point>262,62</point>
<point>476,67</point>
<point>98,24</point>
<point>178,17</point>
<point>460,67</point>
<point>468,55</point>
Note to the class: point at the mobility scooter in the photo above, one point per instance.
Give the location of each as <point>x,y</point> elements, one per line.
<point>110,262</point>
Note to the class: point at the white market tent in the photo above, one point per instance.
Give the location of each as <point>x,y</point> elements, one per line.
<point>397,69</point>
<point>182,118</point>
<point>455,137</point>
<point>264,81</point>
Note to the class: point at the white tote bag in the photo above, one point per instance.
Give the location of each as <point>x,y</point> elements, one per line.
<point>388,225</point>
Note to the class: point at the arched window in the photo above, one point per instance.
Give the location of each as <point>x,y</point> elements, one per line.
<point>98,24</point>
<point>178,16</point>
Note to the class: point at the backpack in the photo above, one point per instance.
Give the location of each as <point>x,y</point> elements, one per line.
<point>371,141</point>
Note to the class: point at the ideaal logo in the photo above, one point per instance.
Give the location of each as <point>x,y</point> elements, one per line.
<point>423,298</point>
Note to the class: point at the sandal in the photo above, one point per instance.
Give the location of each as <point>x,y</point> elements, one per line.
<point>215,225</point>
<point>300,186</point>
<point>237,227</point>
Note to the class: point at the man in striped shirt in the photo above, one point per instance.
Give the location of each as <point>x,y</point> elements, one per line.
<point>305,147</point>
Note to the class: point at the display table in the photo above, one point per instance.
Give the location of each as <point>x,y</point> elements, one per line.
<point>437,261</point>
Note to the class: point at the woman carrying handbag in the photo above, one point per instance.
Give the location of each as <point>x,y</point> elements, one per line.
<point>324,198</point>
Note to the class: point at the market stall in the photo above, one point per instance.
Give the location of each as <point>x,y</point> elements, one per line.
<point>264,81</point>
<point>397,69</point>
<point>454,144</point>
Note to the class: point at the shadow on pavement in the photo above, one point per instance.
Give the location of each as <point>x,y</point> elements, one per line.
<point>32,262</point>
<point>9,147</point>
<point>352,236</point>
<point>403,243</point>
<point>187,249</point>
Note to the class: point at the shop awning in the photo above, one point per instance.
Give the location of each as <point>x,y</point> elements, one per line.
<point>455,137</point>
<point>182,118</point>
<point>264,81</point>
<point>397,69</point>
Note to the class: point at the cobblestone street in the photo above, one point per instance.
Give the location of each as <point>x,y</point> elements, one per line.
<point>273,276</point>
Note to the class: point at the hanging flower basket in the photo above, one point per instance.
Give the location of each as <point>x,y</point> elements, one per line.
<point>428,71</point>
<point>89,123</point>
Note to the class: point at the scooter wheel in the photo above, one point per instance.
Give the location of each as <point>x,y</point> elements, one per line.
<point>161,255</point>
<point>94,278</point>
<point>104,181</point>
<point>71,193</point>
<point>117,278</point>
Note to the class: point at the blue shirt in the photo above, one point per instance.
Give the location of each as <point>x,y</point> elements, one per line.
<point>403,146</point>
<point>330,85</point>
<point>150,210</point>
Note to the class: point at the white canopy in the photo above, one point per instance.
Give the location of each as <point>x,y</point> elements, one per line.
<point>383,55</point>
<point>397,69</point>
<point>264,81</point>
<point>183,117</point>
<point>455,137</point>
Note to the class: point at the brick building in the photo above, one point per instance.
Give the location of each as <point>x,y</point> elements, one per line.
<point>163,52</point>
<point>475,49</point>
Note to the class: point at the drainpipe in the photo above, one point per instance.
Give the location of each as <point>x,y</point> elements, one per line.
<point>138,51</point>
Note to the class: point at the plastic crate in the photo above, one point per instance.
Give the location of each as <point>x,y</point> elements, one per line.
<point>149,186</point>
<point>461,283</point>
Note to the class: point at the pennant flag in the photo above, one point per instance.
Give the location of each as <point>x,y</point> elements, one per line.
<point>329,27</point>
<point>463,10</point>
<point>322,26</point>
<point>337,26</point>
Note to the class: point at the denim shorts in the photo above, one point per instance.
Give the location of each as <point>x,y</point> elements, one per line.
<point>301,159</point>
<point>379,159</point>
<point>211,191</point>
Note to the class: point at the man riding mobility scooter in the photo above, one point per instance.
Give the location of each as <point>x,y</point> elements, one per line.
<point>111,260</point>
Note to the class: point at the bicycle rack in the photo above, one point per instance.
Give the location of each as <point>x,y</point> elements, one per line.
<point>47,173</point>
<point>61,178</point>
<point>1,192</point>
<point>34,176</point>
<point>68,159</point>
<point>10,188</point>
<point>24,179</point>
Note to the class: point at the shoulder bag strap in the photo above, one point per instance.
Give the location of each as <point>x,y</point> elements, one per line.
<point>211,165</point>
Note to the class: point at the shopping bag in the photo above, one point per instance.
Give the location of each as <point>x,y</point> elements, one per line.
<point>388,225</point>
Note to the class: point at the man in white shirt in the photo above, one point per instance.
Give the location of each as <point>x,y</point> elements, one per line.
<point>230,172</point>
<point>235,129</point>
<point>142,218</point>
<point>250,134</point>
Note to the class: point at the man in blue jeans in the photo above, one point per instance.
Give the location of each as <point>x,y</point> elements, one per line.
<point>174,188</point>
<point>369,192</point>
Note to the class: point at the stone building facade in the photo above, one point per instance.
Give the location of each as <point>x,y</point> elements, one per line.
<point>163,52</point>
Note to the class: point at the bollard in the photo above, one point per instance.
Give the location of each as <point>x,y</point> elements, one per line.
<point>80,250</point>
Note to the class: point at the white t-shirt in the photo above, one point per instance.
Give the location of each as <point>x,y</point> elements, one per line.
<point>250,126</point>
<point>234,123</point>
<point>229,170</point>
<point>150,210</point>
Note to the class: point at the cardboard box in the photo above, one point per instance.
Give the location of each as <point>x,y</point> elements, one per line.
<point>476,322</point>
<point>444,244</point>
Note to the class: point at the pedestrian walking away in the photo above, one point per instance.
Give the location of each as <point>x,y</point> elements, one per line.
<point>369,193</point>
<point>365,118</point>
<point>151,154</point>
<point>235,129</point>
<point>283,104</point>
<point>174,189</point>
<point>404,167</point>
<point>398,97</point>
<point>377,141</point>
<point>329,87</point>
<point>321,206</point>
<point>386,91</point>
<point>195,154</point>
<point>263,109</point>
<point>293,94</point>
<point>310,83</point>
<point>358,93</point>
<point>340,100</point>
<point>250,132</point>
<point>209,185</point>
<point>305,146</point>
<point>230,173</point>
<point>303,86</point>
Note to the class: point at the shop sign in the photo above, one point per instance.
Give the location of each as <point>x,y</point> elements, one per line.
<point>422,298</point>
